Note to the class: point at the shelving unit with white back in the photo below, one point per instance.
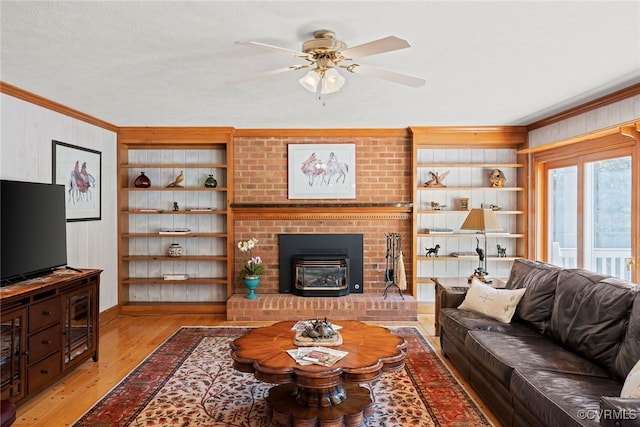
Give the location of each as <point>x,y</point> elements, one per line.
<point>465,171</point>
<point>191,215</point>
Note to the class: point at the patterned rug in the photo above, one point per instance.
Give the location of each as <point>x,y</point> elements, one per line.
<point>189,381</point>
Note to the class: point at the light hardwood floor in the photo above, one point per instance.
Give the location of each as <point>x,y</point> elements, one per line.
<point>124,343</point>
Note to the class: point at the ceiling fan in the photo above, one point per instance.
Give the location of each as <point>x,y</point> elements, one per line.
<point>325,55</point>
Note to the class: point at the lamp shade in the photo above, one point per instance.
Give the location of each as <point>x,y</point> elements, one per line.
<point>332,81</point>
<point>310,81</point>
<point>481,219</point>
<point>329,80</point>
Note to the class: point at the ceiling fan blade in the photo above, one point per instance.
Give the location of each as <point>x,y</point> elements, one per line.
<point>392,76</point>
<point>375,47</point>
<point>275,48</point>
<point>269,73</point>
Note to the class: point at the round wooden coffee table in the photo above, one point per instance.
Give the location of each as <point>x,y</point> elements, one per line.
<point>314,395</point>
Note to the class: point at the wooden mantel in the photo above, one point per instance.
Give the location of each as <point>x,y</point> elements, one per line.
<point>337,211</point>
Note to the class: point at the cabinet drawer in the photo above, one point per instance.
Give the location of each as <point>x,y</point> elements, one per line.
<point>45,342</point>
<point>45,313</point>
<point>43,373</point>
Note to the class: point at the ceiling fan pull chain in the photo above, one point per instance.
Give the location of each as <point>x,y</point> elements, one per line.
<point>319,87</point>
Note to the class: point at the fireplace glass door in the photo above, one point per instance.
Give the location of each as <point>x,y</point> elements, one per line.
<point>321,276</point>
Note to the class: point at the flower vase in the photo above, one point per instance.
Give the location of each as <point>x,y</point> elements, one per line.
<point>142,181</point>
<point>210,182</point>
<point>251,283</point>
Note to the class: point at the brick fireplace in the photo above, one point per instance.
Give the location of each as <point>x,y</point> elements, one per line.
<point>262,210</point>
<point>268,223</point>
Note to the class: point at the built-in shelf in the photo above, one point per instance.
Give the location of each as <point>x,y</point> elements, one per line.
<point>162,153</point>
<point>208,189</point>
<point>174,166</point>
<point>162,281</point>
<point>172,236</point>
<point>472,188</point>
<point>471,165</point>
<point>463,159</point>
<point>464,258</point>
<point>176,258</point>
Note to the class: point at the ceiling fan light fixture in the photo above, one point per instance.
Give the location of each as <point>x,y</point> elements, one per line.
<point>327,81</point>
<point>332,81</point>
<point>311,80</point>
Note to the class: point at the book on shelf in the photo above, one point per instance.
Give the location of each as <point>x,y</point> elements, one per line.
<point>174,231</point>
<point>201,209</point>
<point>147,210</point>
<point>438,231</point>
<point>176,276</point>
<point>464,254</point>
<point>322,356</point>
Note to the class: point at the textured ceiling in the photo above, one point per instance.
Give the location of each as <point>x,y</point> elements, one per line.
<point>151,63</point>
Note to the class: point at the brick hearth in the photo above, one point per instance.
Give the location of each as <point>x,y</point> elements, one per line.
<point>365,307</point>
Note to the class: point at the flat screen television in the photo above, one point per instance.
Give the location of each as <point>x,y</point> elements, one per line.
<point>33,230</point>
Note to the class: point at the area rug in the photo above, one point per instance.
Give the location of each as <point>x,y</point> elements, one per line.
<point>190,381</point>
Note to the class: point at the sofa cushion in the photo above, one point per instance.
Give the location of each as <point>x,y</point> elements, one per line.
<point>560,399</point>
<point>458,322</point>
<point>629,351</point>
<point>631,387</point>
<point>539,279</point>
<point>590,314</point>
<point>500,354</point>
<point>499,304</point>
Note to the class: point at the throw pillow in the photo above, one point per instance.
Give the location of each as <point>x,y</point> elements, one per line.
<point>499,304</point>
<point>631,387</point>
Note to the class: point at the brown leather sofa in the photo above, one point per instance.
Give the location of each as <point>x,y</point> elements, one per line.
<point>563,358</point>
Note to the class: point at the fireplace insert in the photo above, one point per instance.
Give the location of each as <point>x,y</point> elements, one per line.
<point>321,264</point>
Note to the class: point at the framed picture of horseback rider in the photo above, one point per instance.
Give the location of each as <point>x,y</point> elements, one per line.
<point>79,169</point>
<point>322,171</point>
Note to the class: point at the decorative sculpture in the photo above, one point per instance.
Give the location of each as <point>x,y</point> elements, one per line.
<point>497,178</point>
<point>433,251</point>
<point>436,179</point>
<point>502,252</point>
<point>437,206</point>
<point>319,329</point>
<point>177,182</point>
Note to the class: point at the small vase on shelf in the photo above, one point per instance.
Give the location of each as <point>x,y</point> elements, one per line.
<point>175,250</point>
<point>251,283</point>
<point>142,181</point>
<point>211,182</point>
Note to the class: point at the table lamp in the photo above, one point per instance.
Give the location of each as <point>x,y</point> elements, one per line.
<point>483,220</point>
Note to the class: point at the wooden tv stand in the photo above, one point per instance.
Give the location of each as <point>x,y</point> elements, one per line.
<point>49,326</point>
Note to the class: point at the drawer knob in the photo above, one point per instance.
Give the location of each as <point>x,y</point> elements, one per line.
<point>46,341</point>
<point>46,313</point>
<point>44,371</point>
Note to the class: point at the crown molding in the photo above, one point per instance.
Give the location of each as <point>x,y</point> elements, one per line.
<point>32,98</point>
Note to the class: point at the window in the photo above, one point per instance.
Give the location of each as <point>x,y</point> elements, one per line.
<point>585,209</point>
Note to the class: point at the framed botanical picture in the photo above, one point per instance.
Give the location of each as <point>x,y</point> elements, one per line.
<point>80,171</point>
<point>322,171</point>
